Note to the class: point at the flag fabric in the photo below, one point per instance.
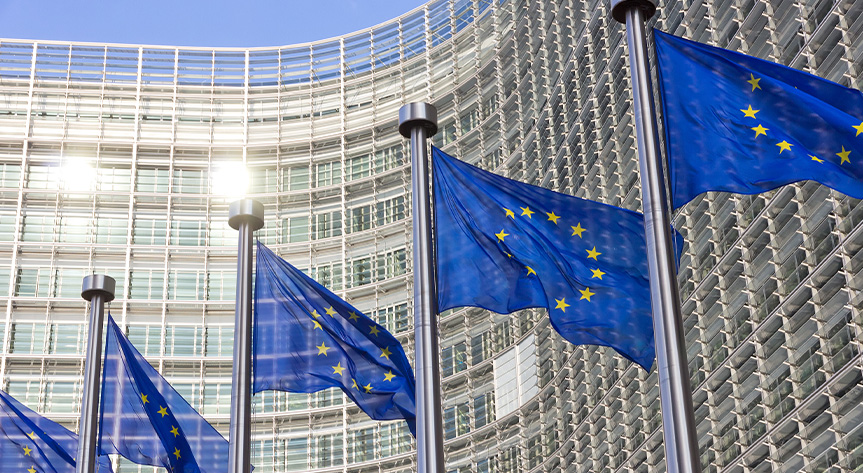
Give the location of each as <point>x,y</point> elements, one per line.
<point>503,245</point>
<point>146,421</point>
<point>34,444</point>
<point>307,339</point>
<point>740,124</point>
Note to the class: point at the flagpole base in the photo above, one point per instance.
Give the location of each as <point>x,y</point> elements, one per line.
<point>620,7</point>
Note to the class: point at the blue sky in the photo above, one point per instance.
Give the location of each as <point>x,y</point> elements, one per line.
<point>240,23</point>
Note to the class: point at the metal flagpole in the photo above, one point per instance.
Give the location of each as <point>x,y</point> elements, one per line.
<point>678,421</point>
<point>246,216</point>
<point>419,121</point>
<point>98,289</point>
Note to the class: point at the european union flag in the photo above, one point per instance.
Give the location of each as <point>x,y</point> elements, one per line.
<point>33,444</point>
<point>504,245</point>
<point>741,124</point>
<point>307,339</point>
<point>146,421</point>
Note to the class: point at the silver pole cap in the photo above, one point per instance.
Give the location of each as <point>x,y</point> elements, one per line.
<point>619,8</point>
<point>98,284</point>
<point>417,114</point>
<point>246,210</point>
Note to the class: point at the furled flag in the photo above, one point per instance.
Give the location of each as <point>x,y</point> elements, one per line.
<point>740,124</point>
<point>146,421</point>
<point>33,444</point>
<point>504,245</point>
<point>307,339</point>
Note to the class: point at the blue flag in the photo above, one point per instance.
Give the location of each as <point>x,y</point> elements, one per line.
<point>740,124</point>
<point>307,339</point>
<point>30,443</point>
<point>146,421</point>
<point>504,245</point>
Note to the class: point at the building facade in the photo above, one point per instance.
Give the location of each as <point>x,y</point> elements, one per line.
<point>112,155</point>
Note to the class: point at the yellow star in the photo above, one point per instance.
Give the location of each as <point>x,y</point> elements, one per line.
<point>338,369</point>
<point>561,304</point>
<point>530,271</point>
<point>385,352</point>
<point>368,388</point>
<point>322,349</point>
<point>754,82</point>
<point>527,211</point>
<point>585,294</point>
<point>844,156</point>
<point>31,470</point>
<point>163,411</point>
<point>32,435</point>
<point>749,112</point>
<point>315,314</point>
<point>554,218</point>
<point>27,450</point>
<point>509,213</point>
<point>760,130</point>
<point>331,312</point>
<point>355,384</point>
<point>175,431</point>
<point>353,316</point>
<point>500,236</point>
<point>389,376</point>
<point>596,273</point>
<point>374,330</point>
<point>144,399</point>
<point>816,159</point>
<point>593,253</point>
<point>859,128</point>
<point>317,325</point>
<point>177,453</point>
<point>784,145</point>
<point>577,230</point>
<point>507,254</point>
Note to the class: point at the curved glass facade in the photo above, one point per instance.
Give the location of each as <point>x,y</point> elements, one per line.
<point>110,156</point>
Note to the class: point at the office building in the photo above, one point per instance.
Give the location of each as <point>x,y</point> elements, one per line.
<point>121,159</point>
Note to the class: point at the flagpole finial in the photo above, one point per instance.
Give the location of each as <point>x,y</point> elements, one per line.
<point>246,210</point>
<point>417,114</point>
<point>619,8</point>
<point>98,284</point>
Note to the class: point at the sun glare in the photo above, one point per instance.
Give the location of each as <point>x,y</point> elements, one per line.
<point>230,180</point>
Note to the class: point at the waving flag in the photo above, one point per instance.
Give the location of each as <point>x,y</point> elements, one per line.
<point>146,421</point>
<point>504,245</point>
<point>33,444</point>
<point>740,124</point>
<point>307,339</point>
